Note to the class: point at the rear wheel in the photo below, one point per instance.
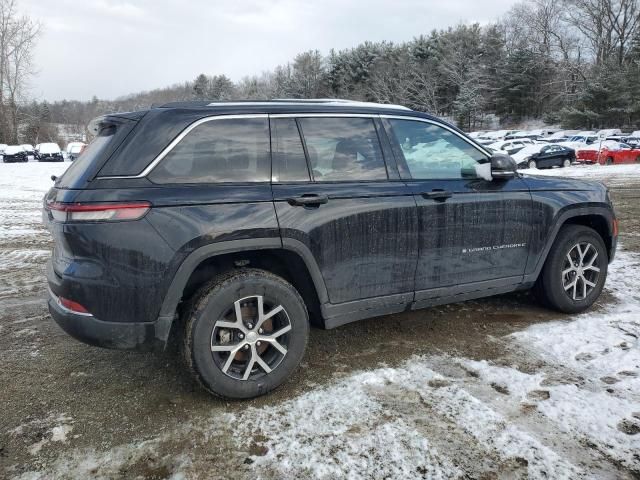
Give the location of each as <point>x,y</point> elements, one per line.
<point>245,333</point>
<point>566,163</point>
<point>533,164</point>
<point>575,271</point>
<point>609,161</point>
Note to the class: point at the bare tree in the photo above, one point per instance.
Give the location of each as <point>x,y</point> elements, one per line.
<point>17,40</point>
<point>608,25</point>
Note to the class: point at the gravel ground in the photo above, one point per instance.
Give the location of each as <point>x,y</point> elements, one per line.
<point>483,389</point>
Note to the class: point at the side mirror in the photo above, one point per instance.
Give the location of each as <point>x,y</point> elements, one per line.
<point>503,166</point>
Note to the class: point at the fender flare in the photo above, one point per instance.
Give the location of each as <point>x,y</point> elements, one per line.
<point>195,258</point>
<point>561,218</point>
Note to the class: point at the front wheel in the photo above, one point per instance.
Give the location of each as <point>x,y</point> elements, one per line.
<point>245,333</point>
<point>533,164</point>
<point>575,271</point>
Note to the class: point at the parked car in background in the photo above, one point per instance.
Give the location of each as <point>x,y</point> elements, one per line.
<point>511,146</point>
<point>29,150</point>
<point>14,154</point>
<point>622,153</point>
<point>74,150</point>
<point>609,132</point>
<point>550,156</point>
<point>49,152</point>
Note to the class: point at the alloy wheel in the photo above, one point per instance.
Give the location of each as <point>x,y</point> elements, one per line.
<point>580,271</point>
<point>251,339</point>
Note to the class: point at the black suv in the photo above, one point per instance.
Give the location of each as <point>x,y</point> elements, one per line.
<point>238,224</point>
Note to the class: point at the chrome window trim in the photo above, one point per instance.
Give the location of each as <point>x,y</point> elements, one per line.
<point>439,124</point>
<point>179,138</point>
<point>149,168</point>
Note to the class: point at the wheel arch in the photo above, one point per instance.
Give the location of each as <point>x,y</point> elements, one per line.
<point>290,259</point>
<point>599,219</point>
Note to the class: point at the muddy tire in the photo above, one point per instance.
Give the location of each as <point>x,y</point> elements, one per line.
<point>245,333</point>
<point>575,270</point>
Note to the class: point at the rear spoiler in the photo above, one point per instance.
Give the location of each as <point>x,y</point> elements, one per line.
<point>100,122</point>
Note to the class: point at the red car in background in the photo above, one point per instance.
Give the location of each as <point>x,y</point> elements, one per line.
<point>621,153</point>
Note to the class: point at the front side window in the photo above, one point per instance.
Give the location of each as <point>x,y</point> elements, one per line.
<point>221,150</point>
<point>343,149</point>
<point>433,152</point>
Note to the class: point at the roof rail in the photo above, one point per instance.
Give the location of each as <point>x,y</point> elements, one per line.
<point>338,102</point>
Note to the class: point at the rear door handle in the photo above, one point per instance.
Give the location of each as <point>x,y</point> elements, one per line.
<point>437,194</point>
<point>308,200</point>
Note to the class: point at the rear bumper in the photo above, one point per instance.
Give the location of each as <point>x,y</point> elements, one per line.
<point>140,336</point>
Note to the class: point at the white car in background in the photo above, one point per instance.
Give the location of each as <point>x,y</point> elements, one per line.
<point>30,151</point>
<point>74,149</point>
<point>581,140</point>
<point>511,146</point>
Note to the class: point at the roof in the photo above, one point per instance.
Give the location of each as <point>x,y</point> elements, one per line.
<point>280,103</point>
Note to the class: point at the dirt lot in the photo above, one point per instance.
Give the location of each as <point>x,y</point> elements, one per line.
<point>483,389</point>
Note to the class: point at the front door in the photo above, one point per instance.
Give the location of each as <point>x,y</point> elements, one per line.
<point>474,231</point>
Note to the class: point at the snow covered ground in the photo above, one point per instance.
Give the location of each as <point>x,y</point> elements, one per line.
<point>559,398</point>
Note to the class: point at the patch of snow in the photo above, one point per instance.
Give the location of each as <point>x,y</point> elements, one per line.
<point>625,173</point>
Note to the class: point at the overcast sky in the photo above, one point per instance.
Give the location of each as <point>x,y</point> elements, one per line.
<point>110,48</point>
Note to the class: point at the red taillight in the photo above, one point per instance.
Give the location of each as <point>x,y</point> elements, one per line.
<point>95,212</point>
<point>73,306</point>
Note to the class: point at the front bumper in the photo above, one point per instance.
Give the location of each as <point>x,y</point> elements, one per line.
<point>140,336</point>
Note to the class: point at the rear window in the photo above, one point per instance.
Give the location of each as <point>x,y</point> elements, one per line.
<point>222,150</point>
<point>93,151</point>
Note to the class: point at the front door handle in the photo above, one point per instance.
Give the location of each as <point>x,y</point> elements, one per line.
<point>437,194</point>
<point>308,200</point>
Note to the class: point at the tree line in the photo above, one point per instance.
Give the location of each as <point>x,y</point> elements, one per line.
<point>570,62</point>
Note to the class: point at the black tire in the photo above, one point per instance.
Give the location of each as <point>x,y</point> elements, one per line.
<point>215,302</point>
<point>609,161</point>
<point>532,164</point>
<point>550,287</point>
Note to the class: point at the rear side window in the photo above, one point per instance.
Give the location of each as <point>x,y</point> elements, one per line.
<point>221,150</point>
<point>289,162</point>
<point>343,149</point>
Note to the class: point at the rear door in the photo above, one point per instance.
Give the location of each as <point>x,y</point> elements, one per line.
<point>338,199</point>
<point>472,229</point>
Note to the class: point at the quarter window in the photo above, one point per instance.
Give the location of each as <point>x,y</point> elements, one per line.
<point>226,150</point>
<point>433,152</point>
<point>343,149</point>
